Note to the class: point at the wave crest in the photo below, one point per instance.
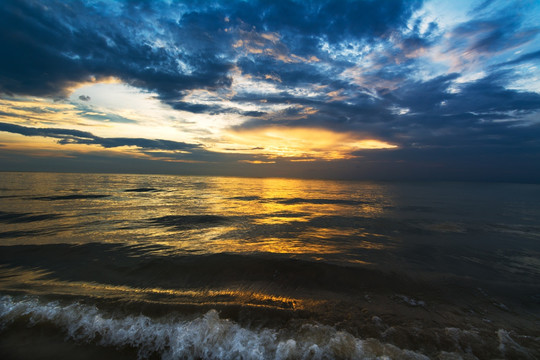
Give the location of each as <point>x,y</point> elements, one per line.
<point>205,337</point>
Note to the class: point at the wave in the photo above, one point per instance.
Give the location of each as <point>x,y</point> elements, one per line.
<point>205,337</point>
<point>25,233</point>
<point>182,222</point>
<point>71,197</point>
<point>263,291</point>
<point>143,189</point>
<point>14,218</point>
<point>246,198</point>
<point>294,201</point>
<point>140,265</point>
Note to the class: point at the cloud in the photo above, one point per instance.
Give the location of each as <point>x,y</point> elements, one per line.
<point>54,46</point>
<point>475,42</point>
<point>529,57</point>
<point>304,143</point>
<point>68,136</point>
<point>333,20</point>
<point>493,35</point>
<point>213,109</point>
<point>340,71</point>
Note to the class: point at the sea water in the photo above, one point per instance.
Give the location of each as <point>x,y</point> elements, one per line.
<point>176,267</point>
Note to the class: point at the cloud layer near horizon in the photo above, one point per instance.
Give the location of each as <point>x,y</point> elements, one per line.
<point>397,89</point>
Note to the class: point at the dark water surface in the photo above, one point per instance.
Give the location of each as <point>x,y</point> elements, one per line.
<point>127,266</point>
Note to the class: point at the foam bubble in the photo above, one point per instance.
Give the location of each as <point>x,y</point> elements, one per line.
<point>205,337</point>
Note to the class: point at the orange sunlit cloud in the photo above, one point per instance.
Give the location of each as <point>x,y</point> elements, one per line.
<point>303,142</point>
<point>91,81</point>
<point>257,162</point>
<point>270,45</point>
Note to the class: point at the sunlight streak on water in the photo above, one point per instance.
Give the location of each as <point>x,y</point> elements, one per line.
<point>254,211</point>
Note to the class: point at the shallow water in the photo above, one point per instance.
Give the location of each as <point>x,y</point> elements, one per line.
<point>172,267</point>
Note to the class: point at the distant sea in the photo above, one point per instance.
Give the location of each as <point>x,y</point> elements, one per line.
<point>99,266</point>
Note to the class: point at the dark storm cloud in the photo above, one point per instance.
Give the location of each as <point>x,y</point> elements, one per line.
<point>485,95</point>
<point>68,136</point>
<point>213,109</point>
<point>424,96</point>
<point>332,20</point>
<point>491,94</point>
<point>198,108</point>
<point>53,44</point>
<point>161,150</point>
<point>84,98</point>
<point>478,113</point>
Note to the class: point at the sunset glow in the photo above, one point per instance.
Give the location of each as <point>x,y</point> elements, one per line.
<point>409,90</point>
<point>302,143</point>
<point>269,179</point>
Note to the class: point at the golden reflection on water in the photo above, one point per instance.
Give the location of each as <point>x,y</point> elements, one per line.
<point>283,246</point>
<point>35,282</point>
<point>328,233</point>
<point>312,240</point>
<point>315,220</point>
<point>277,219</point>
<point>286,216</point>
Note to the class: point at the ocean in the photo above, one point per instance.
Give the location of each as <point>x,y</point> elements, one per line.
<point>185,267</point>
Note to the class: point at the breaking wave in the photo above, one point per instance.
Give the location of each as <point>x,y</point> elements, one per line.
<point>204,337</point>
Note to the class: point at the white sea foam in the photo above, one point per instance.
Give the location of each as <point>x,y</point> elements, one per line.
<point>510,347</point>
<point>411,301</point>
<point>206,337</point>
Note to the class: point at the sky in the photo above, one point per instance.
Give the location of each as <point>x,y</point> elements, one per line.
<point>366,90</point>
